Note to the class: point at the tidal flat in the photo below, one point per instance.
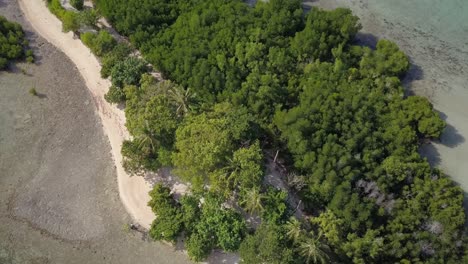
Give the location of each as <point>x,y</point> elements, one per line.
<point>58,186</point>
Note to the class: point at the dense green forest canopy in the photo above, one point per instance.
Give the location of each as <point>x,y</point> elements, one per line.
<point>245,81</point>
<point>13,43</point>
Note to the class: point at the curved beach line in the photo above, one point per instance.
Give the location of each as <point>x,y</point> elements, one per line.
<point>133,190</point>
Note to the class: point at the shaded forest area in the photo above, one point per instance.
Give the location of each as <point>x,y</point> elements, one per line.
<point>245,82</point>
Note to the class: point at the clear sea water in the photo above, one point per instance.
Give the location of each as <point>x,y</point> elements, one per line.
<point>444,19</point>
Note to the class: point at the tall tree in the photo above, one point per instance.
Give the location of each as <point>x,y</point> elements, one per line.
<point>252,201</point>
<point>313,249</point>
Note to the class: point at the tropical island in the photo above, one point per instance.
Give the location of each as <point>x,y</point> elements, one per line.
<point>248,94</point>
<point>247,82</point>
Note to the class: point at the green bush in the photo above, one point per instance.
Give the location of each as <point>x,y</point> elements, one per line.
<point>33,91</point>
<point>128,72</point>
<point>29,56</point>
<point>3,63</point>
<point>56,8</point>
<point>12,42</point>
<point>100,44</point>
<point>119,53</point>
<point>70,20</point>
<point>199,246</point>
<point>88,18</point>
<point>267,245</point>
<point>168,223</point>
<point>115,95</point>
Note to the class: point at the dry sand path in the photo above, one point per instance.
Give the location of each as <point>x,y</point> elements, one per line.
<point>133,190</point>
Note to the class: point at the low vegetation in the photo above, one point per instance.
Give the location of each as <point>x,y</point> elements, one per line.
<point>73,20</point>
<point>100,43</point>
<point>33,92</point>
<point>13,44</point>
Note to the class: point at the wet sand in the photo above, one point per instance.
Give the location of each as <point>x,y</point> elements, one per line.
<point>434,34</point>
<point>58,186</point>
<point>133,191</point>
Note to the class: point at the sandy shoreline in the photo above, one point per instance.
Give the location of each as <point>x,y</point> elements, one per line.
<point>133,190</point>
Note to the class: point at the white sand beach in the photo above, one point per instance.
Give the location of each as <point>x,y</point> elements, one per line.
<point>133,190</point>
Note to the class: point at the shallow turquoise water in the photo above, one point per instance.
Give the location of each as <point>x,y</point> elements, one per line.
<point>444,19</point>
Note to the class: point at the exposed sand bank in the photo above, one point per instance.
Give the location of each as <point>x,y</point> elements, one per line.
<point>431,33</point>
<point>133,190</point>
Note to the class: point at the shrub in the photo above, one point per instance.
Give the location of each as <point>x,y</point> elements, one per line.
<point>29,56</point>
<point>199,247</point>
<point>12,42</point>
<point>115,95</point>
<point>33,91</point>
<point>70,22</point>
<point>100,44</point>
<point>88,18</point>
<point>119,53</point>
<point>168,223</point>
<point>3,63</point>
<point>128,72</point>
<point>217,227</point>
<point>56,8</point>
<point>267,245</point>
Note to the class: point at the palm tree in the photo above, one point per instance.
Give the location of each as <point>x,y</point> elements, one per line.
<point>146,140</point>
<point>294,229</point>
<point>252,201</point>
<point>313,249</point>
<point>181,98</point>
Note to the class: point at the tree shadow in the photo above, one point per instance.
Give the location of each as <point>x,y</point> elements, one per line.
<point>308,5</point>
<point>450,137</point>
<point>41,95</point>
<point>430,152</point>
<point>14,68</point>
<point>34,44</point>
<point>366,40</point>
<point>218,256</point>
<point>251,3</point>
<point>415,73</point>
<point>121,106</point>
